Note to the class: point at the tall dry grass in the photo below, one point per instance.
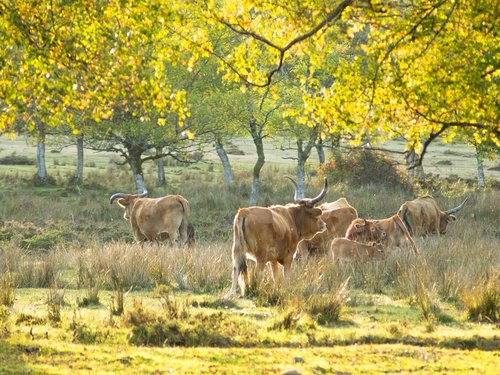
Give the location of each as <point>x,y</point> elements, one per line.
<point>94,248</point>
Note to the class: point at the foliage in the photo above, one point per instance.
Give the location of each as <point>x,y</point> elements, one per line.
<point>364,167</point>
<point>363,69</point>
<point>483,301</point>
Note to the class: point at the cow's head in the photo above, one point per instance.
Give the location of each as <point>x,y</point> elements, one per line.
<point>364,230</point>
<point>447,217</point>
<point>126,201</point>
<point>308,217</point>
<point>379,248</point>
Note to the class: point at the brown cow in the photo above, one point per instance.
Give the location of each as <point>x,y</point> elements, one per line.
<point>337,221</point>
<point>423,216</point>
<point>390,232</point>
<point>156,219</point>
<point>271,234</point>
<point>345,249</point>
<point>337,216</point>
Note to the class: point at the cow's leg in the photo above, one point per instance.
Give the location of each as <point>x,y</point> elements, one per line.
<point>275,267</point>
<point>239,273</point>
<point>183,232</point>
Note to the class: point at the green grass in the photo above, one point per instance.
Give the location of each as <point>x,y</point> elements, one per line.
<point>377,336</point>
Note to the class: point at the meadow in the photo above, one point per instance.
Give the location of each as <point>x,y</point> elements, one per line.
<point>77,295</point>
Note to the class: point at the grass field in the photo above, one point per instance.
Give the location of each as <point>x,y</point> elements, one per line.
<point>67,259</point>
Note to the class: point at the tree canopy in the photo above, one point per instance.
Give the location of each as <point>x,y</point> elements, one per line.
<point>376,69</point>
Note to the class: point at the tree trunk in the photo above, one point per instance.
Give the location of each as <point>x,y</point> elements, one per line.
<point>259,146</point>
<point>480,171</point>
<point>303,154</point>
<point>161,169</point>
<point>321,151</point>
<point>414,170</point>
<point>79,161</point>
<point>42,175</point>
<point>228,174</point>
<point>135,163</point>
<point>301,171</point>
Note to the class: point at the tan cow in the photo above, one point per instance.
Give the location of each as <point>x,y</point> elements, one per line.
<point>390,232</point>
<point>423,216</point>
<point>337,216</point>
<point>156,219</point>
<point>270,235</point>
<point>337,221</point>
<point>345,249</point>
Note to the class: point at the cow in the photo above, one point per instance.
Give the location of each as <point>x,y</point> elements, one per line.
<point>337,216</point>
<point>345,249</point>
<point>423,216</point>
<point>156,219</point>
<point>270,235</point>
<point>390,232</point>
<point>337,221</point>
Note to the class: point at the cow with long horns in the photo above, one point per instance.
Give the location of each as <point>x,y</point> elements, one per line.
<point>270,235</point>
<point>423,216</point>
<point>337,216</point>
<point>156,219</point>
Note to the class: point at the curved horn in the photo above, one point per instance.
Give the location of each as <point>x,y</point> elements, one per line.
<point>295,196</point>
<point>458,208</point>
<point>143,194</point>
<point>321,195</point>
<point>115,196</point>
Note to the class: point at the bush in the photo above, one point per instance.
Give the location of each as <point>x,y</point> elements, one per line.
<point>483,302</point>
<point>14,159</point>
<point>6,290</point>
<point>363,167</point>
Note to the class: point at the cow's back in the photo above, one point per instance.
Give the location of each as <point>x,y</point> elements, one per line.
<point>421,215</point>
<point>160,215</point>
<point>339,203</point>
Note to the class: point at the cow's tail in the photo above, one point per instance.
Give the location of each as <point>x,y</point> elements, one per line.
<point>403,214</point>
<point>407,235</point>
<point>239,250</point>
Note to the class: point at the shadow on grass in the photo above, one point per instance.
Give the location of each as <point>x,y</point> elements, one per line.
<point>475,342</point>
<point>12,357</point>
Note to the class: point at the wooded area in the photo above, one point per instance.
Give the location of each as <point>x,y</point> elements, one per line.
<point>151,79</point>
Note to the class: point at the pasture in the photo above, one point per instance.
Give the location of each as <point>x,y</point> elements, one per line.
<point>78,296</point>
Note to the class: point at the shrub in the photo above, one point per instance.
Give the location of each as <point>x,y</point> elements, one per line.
<point>6,290</point>
<point>14,159</point>
<point>55,299</point>
<point>363,167</point>
<point>4,321</point>
<point>483,301</point>
<point>43,241</point>
<point>327,308</point>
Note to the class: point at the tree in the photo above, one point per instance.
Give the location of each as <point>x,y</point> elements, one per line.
<point>427,69</point>
<point>408,77</point>
<point>133,140</point>
<point>70,58</point>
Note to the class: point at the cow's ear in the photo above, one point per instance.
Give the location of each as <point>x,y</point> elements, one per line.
<point>316,211</point>
<point>122,202</point>
<point>451,218</point>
